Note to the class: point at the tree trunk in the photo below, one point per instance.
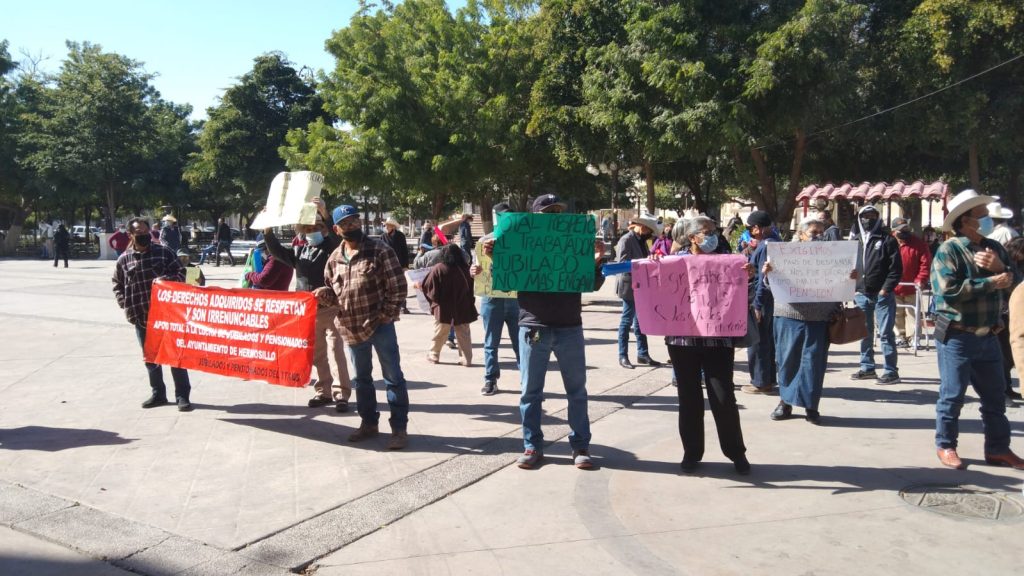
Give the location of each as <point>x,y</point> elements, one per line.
<point>743,175</point>
<point>615,192</point>
<point>486,218</point>
<point>972,162</point>
<point>437,205</point>
<point>9,245</point>
<point>111,206</point>
<point>789,203</point>
<point>766,195</point>
<point>1013,200</point>
<point>649,181</point>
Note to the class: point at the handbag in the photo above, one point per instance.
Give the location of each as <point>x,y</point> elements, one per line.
<point>753,335</point>
<point>848,325</point>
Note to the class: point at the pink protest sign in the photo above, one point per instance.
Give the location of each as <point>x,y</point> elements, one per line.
<point>691,296</point>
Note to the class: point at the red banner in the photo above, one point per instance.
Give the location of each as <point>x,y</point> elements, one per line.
<point>248,334</point>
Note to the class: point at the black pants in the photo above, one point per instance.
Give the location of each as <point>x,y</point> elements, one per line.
<point>717,364</point>
<point>60,253</point>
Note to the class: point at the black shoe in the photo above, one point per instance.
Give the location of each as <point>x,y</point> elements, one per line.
<point>1008,401</point>
<point>689,466</point>
<point>318,401</point>
<point>1013,395</point>
<point>742,465</point>
<point>624,362</point>
<point>184,405</point>
<point>452,345</point>
<point>864,375</point>
<point>889,378</point>
<point>813,416</point>
<point>647,361</point>
<point>489,388</point>
<point>782,412</point>
<point>341,406</point>
<point>155,401</point>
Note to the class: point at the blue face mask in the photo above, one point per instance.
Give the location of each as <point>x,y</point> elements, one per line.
<point>985,225</point>
<point>709,244</point>
<point>314,238</point>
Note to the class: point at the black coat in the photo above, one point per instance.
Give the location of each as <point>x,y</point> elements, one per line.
<point>398,243</point>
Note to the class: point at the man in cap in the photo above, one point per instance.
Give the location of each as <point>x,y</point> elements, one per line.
<point>497,312</point>
<point>881,268</point>
<point>134,273</point>
<point>761,356</point>
<point>395,238</point>
<point>633,246</point>
<point>832,232</point>
<point>552,322</point>
<point>170,235</point>
<point>365,281</point>
<point>426,237</point>
<point>916,261</point>
<point>971,276</point>
<point>466,235</point>
<point>309,259</point>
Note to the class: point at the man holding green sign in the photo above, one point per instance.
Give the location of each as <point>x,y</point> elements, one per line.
<point>549,258</point>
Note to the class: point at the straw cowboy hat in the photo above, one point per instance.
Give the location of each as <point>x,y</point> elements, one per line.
<point>963,203</point>
<point>647,221</point>
<point>391,221</point>
<point>169,218</point>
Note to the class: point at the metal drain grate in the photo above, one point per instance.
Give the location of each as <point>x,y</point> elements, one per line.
<point>963,501</point>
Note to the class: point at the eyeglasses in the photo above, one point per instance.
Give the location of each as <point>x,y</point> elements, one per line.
<point>349,224</point>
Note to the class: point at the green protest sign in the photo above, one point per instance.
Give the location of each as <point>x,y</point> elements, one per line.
<point>544,252</point>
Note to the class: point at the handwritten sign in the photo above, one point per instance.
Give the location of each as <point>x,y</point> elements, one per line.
<point>482,282</point>
<point>812,271</point>
<point>290,200</point>
<point>416,279</point>
<point>544,252</point>
<point>691,296</point>
<point>249,334</point>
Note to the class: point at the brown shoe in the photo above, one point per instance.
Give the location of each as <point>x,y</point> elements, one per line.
<point>1006,459</point>
<point>364,432</point>
<point>949,458</point>
<point>399,440</point>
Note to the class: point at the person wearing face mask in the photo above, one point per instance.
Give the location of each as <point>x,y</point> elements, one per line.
<point>998,224</point>
<point>143,262</point>
<point>916,260</point>
<point>309,259</point>
<point>880,267</point>
<point>971,277</point>
<point>633,246</point>
<point>712,357</point>
<point>801,341</point>
<point>761,356</point>
<point>931,238</point>
<point>367,285</point>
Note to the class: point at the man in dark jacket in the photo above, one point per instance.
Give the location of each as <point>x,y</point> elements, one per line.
<point>223,240</point>
<point>832,232</point>
<point>761,356</point>
<point>61,245</point>
<point>553,322</point>
<point>466,235</point>
<point>332,384</point>
<point>633,246</point>
<point>394,237</point>
<point>881,267</point>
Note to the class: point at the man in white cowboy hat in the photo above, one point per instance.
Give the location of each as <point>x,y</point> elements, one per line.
<point>394,237</point>
<point>633,246</point>
<point>1001,231</point>
<point>971,276</point>
<point>170,236</point>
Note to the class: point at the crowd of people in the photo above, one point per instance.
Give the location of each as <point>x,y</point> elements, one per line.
<point>360,285</point>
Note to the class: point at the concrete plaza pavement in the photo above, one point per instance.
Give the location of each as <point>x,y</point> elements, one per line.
<point>254,482</point>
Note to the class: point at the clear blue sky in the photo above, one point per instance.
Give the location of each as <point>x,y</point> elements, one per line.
<point>197,48</point>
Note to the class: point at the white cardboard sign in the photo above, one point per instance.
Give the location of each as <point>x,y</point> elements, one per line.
<point>290,200</point>
<point>812,271</point>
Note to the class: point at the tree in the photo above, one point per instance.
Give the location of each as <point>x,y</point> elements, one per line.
<point>238,145</point>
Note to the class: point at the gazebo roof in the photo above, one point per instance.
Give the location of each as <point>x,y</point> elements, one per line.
<point>868,192</point>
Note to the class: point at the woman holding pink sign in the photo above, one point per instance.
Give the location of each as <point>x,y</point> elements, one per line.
<point>714,357</point>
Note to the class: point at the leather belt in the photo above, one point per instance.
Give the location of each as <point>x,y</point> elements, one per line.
<point>977,331</point>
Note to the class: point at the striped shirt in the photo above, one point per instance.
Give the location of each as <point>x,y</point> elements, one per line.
<point>369,288</point>
<point>133,279</point>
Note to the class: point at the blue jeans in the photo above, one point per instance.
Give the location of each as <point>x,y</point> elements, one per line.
<point>801,352</point>
<point>536,346</point>
<point>385,342</point>
<point>880,309</point>
<point>627,321</point>
<point>761,356</point>
<point>968,359</point>
<point>182,387</point>
<point>496,313</point>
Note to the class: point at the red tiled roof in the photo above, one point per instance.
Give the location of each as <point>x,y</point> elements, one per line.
<point>870,192</point>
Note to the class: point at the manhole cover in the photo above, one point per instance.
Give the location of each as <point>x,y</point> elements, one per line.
<point>964,501</point>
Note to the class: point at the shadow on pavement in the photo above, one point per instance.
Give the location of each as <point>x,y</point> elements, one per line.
<point>49,439</point>
<point>915,396</point>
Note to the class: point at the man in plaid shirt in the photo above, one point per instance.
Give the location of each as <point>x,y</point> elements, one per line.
<point>136,269</point>
<point>365,281</point>
<point>970,276</point>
